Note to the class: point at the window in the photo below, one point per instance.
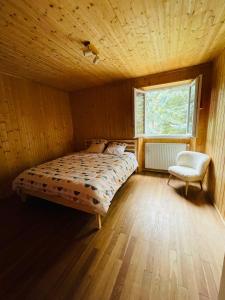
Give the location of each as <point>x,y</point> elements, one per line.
<point>167,111</point>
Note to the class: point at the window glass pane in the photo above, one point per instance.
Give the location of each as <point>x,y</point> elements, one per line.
<point>140,113</point>
<point>167,110</point>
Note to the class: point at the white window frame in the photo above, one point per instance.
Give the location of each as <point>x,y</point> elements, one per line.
<point>135,92</point>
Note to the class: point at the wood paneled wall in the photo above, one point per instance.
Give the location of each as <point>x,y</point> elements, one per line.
<point>35,126</point>
<point>107,111</point>
<point>215,145</point>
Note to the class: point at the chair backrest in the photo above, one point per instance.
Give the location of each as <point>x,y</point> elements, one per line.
<point>196,160</point>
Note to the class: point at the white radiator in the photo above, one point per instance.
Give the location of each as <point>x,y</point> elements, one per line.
<point>159,156</point>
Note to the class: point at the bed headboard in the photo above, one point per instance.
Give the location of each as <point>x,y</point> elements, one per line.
<point>131,143</point>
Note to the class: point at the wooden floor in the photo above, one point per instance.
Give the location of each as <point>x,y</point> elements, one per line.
<point>154,244</point>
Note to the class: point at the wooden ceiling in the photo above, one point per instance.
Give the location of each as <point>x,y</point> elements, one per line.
<point>41,39</point>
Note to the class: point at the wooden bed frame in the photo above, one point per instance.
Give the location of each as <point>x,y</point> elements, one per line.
<point>131,147</point>
<point>62,201</point>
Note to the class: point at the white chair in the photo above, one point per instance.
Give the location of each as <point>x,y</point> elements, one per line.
<point>190,167</point>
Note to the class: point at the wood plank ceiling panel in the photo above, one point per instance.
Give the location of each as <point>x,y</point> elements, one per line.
<point>41,40</point>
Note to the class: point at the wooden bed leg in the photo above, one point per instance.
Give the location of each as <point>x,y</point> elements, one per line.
<point>98,220</point>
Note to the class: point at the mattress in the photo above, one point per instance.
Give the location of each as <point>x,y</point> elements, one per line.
<point>88,180</point>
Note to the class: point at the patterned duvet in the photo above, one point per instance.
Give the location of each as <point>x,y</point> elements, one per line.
<point>89,180</point>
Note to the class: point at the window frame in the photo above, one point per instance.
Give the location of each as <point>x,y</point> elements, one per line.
<point>198,85</point>
<point>134,103</point>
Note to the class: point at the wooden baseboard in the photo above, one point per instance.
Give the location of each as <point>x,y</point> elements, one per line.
<point>222,219</point>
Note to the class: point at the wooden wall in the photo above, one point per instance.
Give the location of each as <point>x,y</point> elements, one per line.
<point>216,135</point>
<point>35,126</point>
<point>107,111</point>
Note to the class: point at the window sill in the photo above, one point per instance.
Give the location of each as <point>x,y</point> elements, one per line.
<point>187,137</point>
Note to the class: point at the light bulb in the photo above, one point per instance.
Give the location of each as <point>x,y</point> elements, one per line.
<point>96,59</point>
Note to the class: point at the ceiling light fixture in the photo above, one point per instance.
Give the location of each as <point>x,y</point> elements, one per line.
<point>87,52</point>
<point>90,50</point>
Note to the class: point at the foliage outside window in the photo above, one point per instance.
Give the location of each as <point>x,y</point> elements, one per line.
<point>167,111</point>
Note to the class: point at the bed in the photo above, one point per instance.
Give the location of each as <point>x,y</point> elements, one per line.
<point>84,181</point>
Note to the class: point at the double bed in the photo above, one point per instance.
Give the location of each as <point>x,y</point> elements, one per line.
<point>84,181</point>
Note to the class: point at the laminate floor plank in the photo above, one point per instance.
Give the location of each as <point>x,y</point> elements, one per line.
<point>154,244</point>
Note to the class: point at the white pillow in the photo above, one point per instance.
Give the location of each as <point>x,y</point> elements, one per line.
<point>115,148</point>
<point>96,148</point>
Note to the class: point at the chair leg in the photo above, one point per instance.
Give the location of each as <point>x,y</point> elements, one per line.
<point>186,188</point>
<point>201,185</point>
<point>169,178</point>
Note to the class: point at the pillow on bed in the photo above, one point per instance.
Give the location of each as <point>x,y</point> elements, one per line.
<point>96,148</point>
<point>115,148</point>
